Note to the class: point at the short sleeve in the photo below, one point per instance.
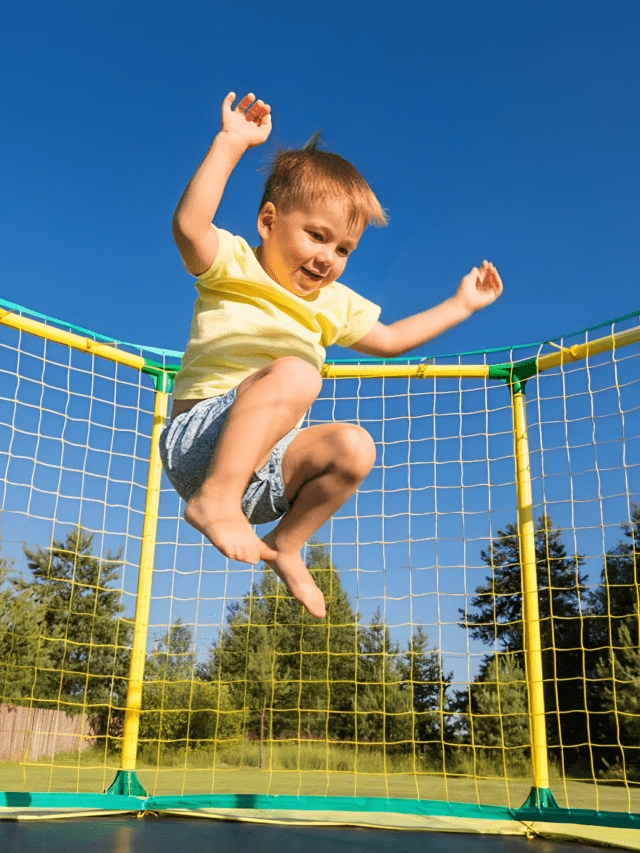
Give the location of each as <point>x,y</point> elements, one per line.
<point>359,316</point>
<point>233,258</point>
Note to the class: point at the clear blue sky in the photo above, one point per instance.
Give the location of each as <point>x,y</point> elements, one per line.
<point>498,130</point>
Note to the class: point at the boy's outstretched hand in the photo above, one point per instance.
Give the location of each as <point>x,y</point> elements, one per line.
<point>480,287</point>
<point>250,120</point>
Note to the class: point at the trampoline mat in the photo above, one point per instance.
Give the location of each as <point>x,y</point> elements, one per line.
<point>150,834</point>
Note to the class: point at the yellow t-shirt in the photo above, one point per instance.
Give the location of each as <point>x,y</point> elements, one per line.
<point>243,320</point>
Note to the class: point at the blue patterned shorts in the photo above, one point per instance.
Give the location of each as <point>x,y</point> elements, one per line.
<point>187,445</point>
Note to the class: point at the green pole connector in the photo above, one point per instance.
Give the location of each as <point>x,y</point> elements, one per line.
<point>163,377</point>
<point>126,782</point>
<point>515,375</point>
<point>540,798</point>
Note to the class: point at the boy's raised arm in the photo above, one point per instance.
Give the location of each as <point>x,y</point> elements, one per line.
<point>479,288</point>
<point>246,126</point>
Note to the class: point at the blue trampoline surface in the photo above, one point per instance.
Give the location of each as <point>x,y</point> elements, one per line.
<point>175,835</point>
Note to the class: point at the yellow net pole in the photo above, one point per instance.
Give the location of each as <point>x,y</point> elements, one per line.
<point>143,596</point>
<point>532,643</point>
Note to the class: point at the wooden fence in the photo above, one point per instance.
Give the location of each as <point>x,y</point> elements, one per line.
<point>33,733</point>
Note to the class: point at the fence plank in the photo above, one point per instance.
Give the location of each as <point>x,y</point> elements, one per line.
<point>28,734</point>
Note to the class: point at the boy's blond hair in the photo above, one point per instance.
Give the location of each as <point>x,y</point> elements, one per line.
<point>304,177</point>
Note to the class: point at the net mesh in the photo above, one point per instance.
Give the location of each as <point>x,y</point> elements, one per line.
<point>415,685</point>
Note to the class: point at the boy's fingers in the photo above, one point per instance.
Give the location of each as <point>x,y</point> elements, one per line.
<point>253,110</point>
<point>257,111</point>
<point>245,102</point>
<point>494,280</point>
<point>227,104</point>
<point>260,108</point>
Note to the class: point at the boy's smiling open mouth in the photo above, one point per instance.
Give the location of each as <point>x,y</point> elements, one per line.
<point>313,276</point>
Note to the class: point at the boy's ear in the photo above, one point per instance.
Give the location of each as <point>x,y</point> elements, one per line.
<point>266,218</point>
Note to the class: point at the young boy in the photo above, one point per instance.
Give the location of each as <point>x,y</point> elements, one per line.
<point>262,320</point>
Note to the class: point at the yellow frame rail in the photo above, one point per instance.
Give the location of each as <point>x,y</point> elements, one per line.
<point>60,336</point>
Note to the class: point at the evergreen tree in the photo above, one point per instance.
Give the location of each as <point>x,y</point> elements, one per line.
<point>83,649</point>
<point>173,657</point>
<point>497,719</point>
<point>383,706</point>
<point>498,622</point>
<point>296,672</point>
<point>619,672</point>
<point>20,618</point>
<point>614,603</point>
<point>613,636</point>
<point>332,678</point>
<point>422,675</point>
<point>178,708</point>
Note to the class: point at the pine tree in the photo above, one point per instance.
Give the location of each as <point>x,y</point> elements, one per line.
<point>619,672</point>
<point>383,706</point>
<point>20,618</point>
<point>83,649</point>
<point>615,602</point>
<point>178,708</point>
<point>423,676</point>
<point>498,622</point>
<point>332,678</point>
<point>497,719</point>
<point>280,664</point>
<point>613,637</point>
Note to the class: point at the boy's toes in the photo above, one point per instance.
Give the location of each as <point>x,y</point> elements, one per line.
<point>315,606</point>
<point>240,544</point>
<point>267,553</point>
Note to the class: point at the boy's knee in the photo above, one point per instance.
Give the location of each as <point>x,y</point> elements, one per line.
<point>292,377</point>
<point>355,450</point>
<point>298,374</point>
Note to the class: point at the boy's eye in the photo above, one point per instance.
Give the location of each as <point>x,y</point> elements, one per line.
<point>316,235</point>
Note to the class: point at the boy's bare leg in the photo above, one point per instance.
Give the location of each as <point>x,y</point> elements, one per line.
<point>267,406</point>
<point>322,467</point>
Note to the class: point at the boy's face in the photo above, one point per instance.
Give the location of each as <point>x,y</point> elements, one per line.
<point>305,250</point>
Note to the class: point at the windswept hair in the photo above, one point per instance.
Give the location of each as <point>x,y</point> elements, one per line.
<point>307,176</point>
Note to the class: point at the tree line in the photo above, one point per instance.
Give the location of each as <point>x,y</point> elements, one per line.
<point>64,643</point>
<point>590,654</point>
<point>275,672</point>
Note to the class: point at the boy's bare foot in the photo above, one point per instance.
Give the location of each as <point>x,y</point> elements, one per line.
<point>230,532</point>
<point>296,576</point>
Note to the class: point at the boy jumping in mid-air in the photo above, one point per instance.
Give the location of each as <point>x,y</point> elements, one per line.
<point>233,449</point>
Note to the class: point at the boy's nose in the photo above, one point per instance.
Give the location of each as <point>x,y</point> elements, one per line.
<point>325,256</point>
